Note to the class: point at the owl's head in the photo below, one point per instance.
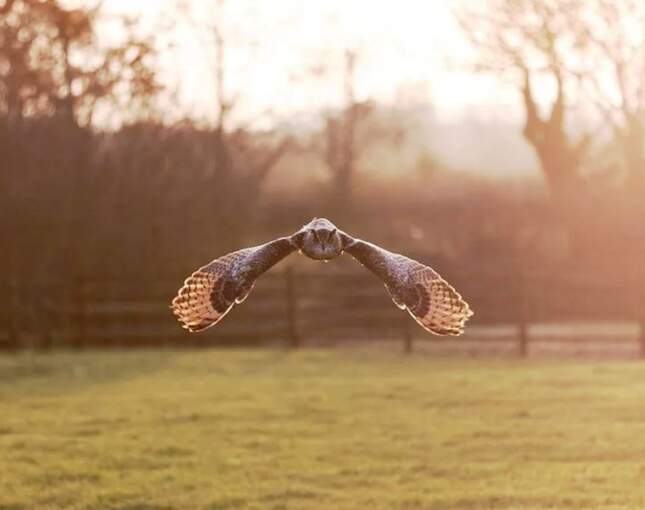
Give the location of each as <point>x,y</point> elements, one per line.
<point>320,240</point>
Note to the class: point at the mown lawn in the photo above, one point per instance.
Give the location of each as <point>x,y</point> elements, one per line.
<point>341,429</point>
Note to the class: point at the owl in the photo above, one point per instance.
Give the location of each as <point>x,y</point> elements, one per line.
<point>210,292</point>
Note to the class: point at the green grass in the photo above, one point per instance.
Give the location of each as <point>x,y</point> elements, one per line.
<point>344,429</point>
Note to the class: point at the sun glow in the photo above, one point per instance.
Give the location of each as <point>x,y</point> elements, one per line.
<point>286,56</point>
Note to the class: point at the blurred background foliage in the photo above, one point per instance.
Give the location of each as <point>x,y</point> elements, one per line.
<point>97,178</point>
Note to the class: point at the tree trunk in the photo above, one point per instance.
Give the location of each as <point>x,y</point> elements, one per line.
<point>633,145</point>
<point>560,159</point>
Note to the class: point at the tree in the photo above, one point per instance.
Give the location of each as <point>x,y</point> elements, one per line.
<point>51,63</point>
<point>54,73</point>
<point>243,156</point>
<point>615,34</point>
<point>351,131</point>
<point>537,39</point>
<point>342,149</point>
<point>238,150</point>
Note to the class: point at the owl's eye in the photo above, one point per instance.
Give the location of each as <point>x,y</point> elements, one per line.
<point>331,234</point>
<point>315,233</point>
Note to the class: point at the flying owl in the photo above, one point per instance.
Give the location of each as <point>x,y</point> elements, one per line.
<point>211,291</point>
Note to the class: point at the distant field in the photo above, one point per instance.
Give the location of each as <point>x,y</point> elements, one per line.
<point>334,429</point>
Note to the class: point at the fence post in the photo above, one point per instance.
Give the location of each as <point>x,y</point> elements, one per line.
<point>640,310</point>
<point>407,335</point>
<point>13,325</point>
<point>292,308</point>
<point>81,310</point>
<point>44,317</point>
<point>523,307</point>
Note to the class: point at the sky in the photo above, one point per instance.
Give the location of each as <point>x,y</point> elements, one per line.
<point>284,65</point>
<point>409,51</point>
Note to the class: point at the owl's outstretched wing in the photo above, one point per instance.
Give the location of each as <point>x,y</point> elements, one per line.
<point>414,287</point>
<point>211,291</point>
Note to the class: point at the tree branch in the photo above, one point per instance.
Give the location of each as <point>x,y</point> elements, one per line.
<point>556,119</point>
<point>8,4</point>
<point>534,125</point>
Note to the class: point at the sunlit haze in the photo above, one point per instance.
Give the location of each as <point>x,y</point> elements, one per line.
<point>409,51</point>
<point>284,64</point>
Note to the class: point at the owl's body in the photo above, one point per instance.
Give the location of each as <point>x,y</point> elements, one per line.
<point>211,291</point>
<point>321,240</point>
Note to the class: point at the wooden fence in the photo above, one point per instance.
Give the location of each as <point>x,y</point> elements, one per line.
<point>295,307</point>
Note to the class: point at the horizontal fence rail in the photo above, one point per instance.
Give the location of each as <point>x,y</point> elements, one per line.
<point>296,306</point>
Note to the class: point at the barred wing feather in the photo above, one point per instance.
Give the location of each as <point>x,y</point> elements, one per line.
<point>415,287</point>
<point>210,292</point>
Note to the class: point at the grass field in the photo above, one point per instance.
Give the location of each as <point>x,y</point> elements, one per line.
<point>341,429</point>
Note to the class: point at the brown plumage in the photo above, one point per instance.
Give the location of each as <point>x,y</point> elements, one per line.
<point>415,287</point>
<point>211,291</point>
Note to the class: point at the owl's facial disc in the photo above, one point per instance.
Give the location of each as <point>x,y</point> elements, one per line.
<point>322,243</point>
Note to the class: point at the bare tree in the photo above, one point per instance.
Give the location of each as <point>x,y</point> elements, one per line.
<point>615,34</point>
<point>50,62</point>
<point>53,73</point>
<point>260,158</point>
<point>352,131</point>
<point>243,156</point>
<point>342,149</point>
<point>536,39</point>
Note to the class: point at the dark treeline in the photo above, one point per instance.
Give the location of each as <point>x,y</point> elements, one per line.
<point>148,200</point>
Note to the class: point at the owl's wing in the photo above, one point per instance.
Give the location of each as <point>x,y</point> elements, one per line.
<point>211,291</point>
<point>414,287</point>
